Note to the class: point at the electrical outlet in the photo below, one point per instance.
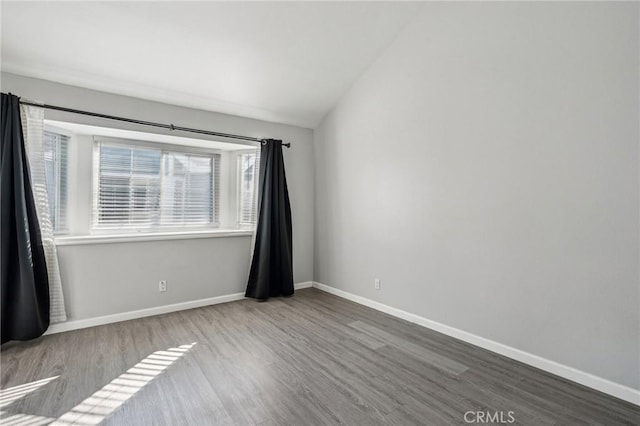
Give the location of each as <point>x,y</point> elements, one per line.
<point>376,284</point>
<point>162,285</point>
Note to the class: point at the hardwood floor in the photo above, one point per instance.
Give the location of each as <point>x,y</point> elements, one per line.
<point>307,360</point>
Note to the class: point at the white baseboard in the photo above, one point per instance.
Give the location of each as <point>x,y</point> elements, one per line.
<point>306,284</point>
<point>598,383</point>
<point>141,313</point>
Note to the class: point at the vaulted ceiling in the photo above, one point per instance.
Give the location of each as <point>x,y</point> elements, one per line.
<point>287,62</point>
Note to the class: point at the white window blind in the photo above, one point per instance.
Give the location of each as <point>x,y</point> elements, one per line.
<point>248,176</point>
<point>187,195</point>
<point>137,186</point>
<point>56,147</point>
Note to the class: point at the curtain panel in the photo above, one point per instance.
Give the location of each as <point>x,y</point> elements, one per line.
<point>24,282</point>
<point>271,272</point>
<point>33,128</point>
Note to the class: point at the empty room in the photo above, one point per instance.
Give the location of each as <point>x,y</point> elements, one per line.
<point>319,213</point>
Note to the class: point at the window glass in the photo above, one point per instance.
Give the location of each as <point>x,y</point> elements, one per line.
<point>248,165</point>
<point>56,147</point>
<point>141,187</point>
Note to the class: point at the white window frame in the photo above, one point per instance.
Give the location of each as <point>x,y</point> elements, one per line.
<point>215,154</point>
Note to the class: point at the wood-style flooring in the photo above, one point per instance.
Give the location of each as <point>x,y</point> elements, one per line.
<point>312,359</point>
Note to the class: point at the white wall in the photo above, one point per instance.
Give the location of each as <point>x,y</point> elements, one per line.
<point>485,168</point>
<point>102,279</point>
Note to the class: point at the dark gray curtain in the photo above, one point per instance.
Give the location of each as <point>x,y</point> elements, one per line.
<point>24,297</point>
<point>271,271</point>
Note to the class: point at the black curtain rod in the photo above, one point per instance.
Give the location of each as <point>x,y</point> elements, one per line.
<point>148,123</point>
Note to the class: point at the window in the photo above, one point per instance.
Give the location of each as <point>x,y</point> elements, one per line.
<point>248,168</point>
<point>115,183</point>
<point>137,185</point>
<point>56,148</point>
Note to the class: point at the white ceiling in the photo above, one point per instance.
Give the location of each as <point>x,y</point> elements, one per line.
<point>287,62</point>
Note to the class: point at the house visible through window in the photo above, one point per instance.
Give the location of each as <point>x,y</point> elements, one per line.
<point>188,194</point>
<point>137,186</point>
<point>56,148</point>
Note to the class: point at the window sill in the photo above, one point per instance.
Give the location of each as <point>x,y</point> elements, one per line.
<point>156,236</point>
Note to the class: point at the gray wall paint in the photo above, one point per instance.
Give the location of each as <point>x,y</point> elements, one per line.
<point>485,168</point>
<point>102,279</point>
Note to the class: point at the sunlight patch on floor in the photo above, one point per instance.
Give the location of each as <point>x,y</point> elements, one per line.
<point>24,420</point>
<point>102,403</point>
<point>9,395</point>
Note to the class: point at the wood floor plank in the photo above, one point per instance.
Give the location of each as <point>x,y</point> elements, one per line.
<point>313,359</point>
<point>431,357</point>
